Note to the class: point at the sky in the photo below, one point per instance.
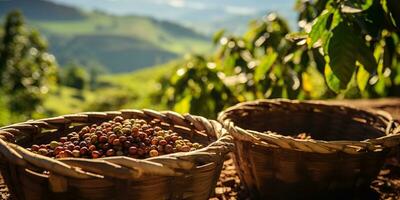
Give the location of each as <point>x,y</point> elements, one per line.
<point>188,12</point>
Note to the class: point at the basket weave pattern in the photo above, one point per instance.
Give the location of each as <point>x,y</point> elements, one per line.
<point>345,152</point>
<point>189,175</point>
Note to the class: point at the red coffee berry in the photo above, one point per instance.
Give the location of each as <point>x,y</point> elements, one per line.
<point>83,150</point>
<point>111,138</point>
<point>110,152</point>
<point>116,142</point>
<point>95,154</point>
<point>163,142</point>
<point>122,138</point>
<point>35,147</point>
<point>133,150</point>
<point>92,148</point>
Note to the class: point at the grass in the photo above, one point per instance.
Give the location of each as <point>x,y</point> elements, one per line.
<point>119,91</point>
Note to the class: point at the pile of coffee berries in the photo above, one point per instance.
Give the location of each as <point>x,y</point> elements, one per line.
<point>131,137</point>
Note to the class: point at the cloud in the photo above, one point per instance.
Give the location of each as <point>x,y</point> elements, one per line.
<point>240,10</point>
<point>177,3</point>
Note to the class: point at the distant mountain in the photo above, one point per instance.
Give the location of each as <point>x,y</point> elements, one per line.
<point>42,10</point>
<point>205,16</point>
<point>116,43</point>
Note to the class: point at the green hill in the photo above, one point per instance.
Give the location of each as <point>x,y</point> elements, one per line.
<point>117,43</point>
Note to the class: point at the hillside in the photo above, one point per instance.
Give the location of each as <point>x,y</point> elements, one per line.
<point>205,16</point>
<point>116,43</point>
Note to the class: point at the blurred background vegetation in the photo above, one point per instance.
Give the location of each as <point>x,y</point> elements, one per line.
<point>57,59</point>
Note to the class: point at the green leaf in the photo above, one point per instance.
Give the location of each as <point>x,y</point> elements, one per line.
<point>218,35</point>
<point>365,56</point>
<point>332,81</point>
<point>341,50</point>
<point>265,64</point>
<point>362,78</point>
<point>318,28</point>
<point>356,6</point>
<point>183,106</point>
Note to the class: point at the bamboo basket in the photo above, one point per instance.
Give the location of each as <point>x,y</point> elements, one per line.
<point>190,175</point>
<point>346,152</point>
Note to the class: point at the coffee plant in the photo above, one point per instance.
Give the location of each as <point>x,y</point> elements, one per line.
<point>27,70</point>
<point>358,41</point>
<point>343,49</point>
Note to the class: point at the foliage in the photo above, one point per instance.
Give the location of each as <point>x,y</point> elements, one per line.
<point>351,44</point>
<point>358,40</point>
<point>76,77</point>
<point>192,87</point>
<point>27,71</point>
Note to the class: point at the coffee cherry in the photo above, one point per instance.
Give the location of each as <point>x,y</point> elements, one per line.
<point>92,148</point>
<point>185,148</point>
<point>153,153</point>
<point>58,149</point>
<point>54,144</point>
<point>83,151</point>
<point>168,148</point>
<point>122,138</point>
<point>127,144</point>
<point>140,151</point>
<point>35,147</point>
<point>95,154</point>
<point>43,151</point>
<point>120,153</point>
<point>111,138</point>
<point>82,144</point>
<point>110,152</point>
<point>70,147</point>
<point>163,142</point>
<point>76,153</point>
<point>142,135</point>
<point>93,139</point>
<point>154,141</point>
<point>106,146</point>
<point>118,119</point>
<point>116,142</point>
<point>133,150</point>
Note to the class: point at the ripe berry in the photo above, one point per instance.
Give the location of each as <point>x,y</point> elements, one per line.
<point>92,148</point>
<point>122,138</point>
<point>120,153</point>
<point>153,153</point>
<point>111,138</point>
<point>133,150</point>
<point>76,153</point>
<point>116,142</point>
<point>83,150</point>
<point>110,152</point>
<point>43,151</point>
<point>95,154</point>
<point>35,147</point>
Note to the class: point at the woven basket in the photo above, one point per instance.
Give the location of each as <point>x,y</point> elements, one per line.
<point>347,150</point>
<point>190,175</point>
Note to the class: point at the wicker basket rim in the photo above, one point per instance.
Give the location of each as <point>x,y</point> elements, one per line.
<point>272,139</point>
<point>121,167</point>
